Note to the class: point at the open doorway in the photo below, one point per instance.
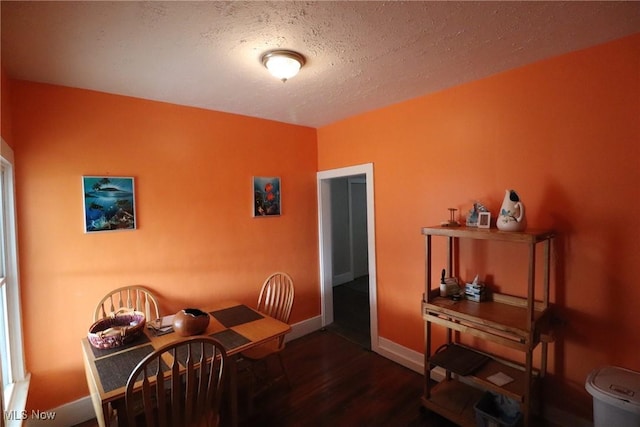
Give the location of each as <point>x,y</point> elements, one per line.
<point>347,249</point>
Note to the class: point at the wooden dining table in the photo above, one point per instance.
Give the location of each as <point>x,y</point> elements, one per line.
<point>237,326</point>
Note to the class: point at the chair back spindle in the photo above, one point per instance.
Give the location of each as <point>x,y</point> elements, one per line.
<point>276,296</point>
<point>134,297</point>
<point>180,385</point>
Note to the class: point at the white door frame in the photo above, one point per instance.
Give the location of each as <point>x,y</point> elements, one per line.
<point>324,239</point>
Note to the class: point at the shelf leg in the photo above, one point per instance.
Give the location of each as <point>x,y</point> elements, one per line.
<point>528,385</point>
<point>450,256</point>
<point>547,272</point>
<point>427,354</point>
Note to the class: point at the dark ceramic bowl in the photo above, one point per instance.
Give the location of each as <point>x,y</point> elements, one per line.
<point>190,321</point>
<point>116,330</point>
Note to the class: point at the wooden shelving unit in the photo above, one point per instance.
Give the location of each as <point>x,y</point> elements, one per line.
<point>521,323</point>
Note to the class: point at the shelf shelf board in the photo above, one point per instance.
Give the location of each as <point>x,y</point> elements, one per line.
<point>514,390</point>
<point>454,400</point>
<point>487,317</point>
<point>459,356</point>
<point>527,236</point>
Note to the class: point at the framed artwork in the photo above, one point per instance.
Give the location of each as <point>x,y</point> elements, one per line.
<point>484,219</point>
<point>266,196</point>
<point>109,203</point>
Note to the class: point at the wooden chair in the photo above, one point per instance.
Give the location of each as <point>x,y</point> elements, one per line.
<point>135,297</point>
<point>180,385</point>
<point>275,300</point>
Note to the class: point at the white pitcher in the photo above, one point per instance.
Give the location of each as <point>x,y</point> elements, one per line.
<point>511,217</point>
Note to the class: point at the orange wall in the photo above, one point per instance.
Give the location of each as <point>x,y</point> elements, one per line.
<point>565,133</point>
<point>196,240</point>
<point>5,109</point>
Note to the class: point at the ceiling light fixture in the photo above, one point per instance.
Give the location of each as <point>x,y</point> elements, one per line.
<point>283,64</point>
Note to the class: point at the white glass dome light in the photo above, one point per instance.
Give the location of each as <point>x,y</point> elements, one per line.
<point>283,64</point>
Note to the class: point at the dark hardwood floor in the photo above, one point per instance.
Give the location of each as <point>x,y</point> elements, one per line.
<point>351,311</point>
<point>336,382</point>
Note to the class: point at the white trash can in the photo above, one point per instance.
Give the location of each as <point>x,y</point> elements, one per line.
<point>616,397</point>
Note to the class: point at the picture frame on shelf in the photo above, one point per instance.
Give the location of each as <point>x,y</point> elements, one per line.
<point>484,219</point>
<point>472,217</point>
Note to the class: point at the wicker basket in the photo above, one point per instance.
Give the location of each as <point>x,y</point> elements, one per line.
<point>117,329</point>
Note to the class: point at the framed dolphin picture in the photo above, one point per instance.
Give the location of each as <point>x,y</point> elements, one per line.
<point>109,203</point>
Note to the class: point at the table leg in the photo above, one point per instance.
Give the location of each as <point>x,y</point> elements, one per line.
<point>233,387</point>
<point>106,415</point>
<point>100,408</point>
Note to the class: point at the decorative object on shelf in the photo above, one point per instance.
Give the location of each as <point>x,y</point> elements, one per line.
<point>475,291</point>
<point>484,220</point>
<point>511,217</point>
<point>452,219</point>
<point>266,196</point>
<point>116,330</point>
<point>108,203</point>
<point>448,285</point>
<point>474,214</point>
<point>190,321</point>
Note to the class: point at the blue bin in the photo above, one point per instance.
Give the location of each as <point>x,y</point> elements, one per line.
<point>495,410</point>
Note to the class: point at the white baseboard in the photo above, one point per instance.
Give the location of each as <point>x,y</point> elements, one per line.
<point>82,409</point>
<point>303,328</point>
<point>402,355</point>
<point>406,357</point>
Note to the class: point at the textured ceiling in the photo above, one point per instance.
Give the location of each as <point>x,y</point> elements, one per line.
<point>360,55</point>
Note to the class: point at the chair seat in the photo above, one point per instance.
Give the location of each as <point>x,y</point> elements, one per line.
<point>263,350</point>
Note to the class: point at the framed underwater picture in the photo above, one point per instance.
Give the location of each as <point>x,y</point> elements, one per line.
<point>266,196</point>
<point>109,203</point>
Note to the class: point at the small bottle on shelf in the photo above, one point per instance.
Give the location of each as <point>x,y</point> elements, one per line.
<point>443,285</point>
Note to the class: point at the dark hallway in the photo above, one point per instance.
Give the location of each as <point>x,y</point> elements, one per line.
<point>351,311</point>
